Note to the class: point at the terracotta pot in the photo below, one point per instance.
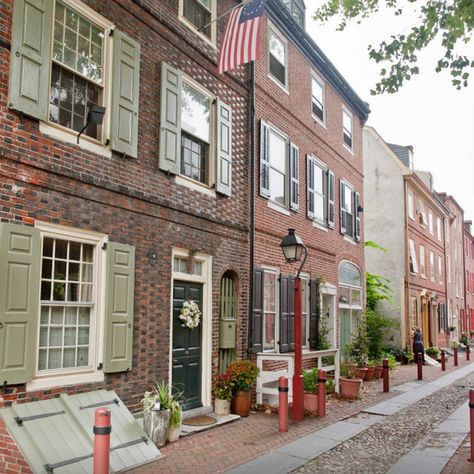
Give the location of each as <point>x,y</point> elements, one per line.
<point>311,402</point>
<point>241,403</point>
<point>361,373</point>
<point>221,407</point>
<point>370,372</point>
<point>349,388</point>
<point>378,371</point>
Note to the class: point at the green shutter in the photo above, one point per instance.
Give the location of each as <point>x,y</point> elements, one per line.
<point>125,95</point>
<point>20,258</point>
<point>170,121</point>
<point>224,149</point>
<point>119,297</point>
<point>30,57</point>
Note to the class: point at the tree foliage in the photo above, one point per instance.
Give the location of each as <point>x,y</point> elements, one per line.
<point>450,20</point>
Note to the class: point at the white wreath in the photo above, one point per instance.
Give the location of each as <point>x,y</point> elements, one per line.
<point>190,315</point>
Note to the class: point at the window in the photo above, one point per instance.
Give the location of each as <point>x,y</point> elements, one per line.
<point>269,310</point>
<point>318,99</point>
<point>200,14</point>
<point>439,229</point>
<point>422,261</point>
<point>77,71</point>
<point>448,268</point>
<point>411,206</point>
<point>347,128</point>
<point>297,9</point>
<point>349,211</point>
<point>412,257</point>
<point>413,312</point>
<point>430,221</point>
<point>421,213</point>
<point>440,269</point>
<point>320,192</point>
<point>195,133</point>
<point>278,57</point>
<point>304,311</point>
<point>277,159</point>
<point>432,266</point>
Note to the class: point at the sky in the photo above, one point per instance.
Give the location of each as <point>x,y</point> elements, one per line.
<point>427,112</point>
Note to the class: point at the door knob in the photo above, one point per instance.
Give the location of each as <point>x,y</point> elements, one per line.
<point>186,352</point>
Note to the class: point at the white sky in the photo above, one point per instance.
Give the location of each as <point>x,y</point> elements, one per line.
<point>427,112</point>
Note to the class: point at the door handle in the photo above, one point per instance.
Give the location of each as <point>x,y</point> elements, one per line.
<point>186,352</point>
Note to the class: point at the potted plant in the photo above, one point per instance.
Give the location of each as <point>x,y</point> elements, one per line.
<point>310,384</point>
<point>222,391</point>
<point>454,345</point>
<point>432,352</point>
<point>156,412</point>
<point>349,386</point>
<point>242,374</point>
<point>358,350</point>
<point>176,417</point>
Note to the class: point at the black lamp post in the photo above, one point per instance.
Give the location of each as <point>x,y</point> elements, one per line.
<point>293,247</point>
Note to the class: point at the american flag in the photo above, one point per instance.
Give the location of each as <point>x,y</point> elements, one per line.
<point>241,42</point>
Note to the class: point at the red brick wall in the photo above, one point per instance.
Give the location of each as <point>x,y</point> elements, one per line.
<point>469,276</point>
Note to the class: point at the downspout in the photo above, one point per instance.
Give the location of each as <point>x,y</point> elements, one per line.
<point>252,204</point>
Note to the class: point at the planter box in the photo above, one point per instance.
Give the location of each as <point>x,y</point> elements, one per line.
<point>156,425</point>
<point>311,402</point>
<point>349,388</point>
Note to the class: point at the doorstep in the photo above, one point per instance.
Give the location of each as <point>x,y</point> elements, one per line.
<point>187,430</point>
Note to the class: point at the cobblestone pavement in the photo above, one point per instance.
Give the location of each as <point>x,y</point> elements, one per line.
<point>383,444</point>
<point>459,463</point>
<point>228,446</point>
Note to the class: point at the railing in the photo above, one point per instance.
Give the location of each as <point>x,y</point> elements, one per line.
<point>267,381</point>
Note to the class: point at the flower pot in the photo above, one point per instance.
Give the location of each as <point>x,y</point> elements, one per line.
<point>349,388</point>
<point>174,432</point>
<point>361,373</point>
<point>370,372</point>
<point>156,426</point>
<point>221,407</point>
<point>241,403</point>
<point>310,401</point>
<point>378,371</point>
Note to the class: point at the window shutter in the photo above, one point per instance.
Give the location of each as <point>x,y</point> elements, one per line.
<point>284,314</point>
<point>357,215</point>
<point>125,95</point>
<point>20,261</point>
<point>170,121</point>
<point>119,298</point>
<point>291,312</point>
<point>264,161</point>
<point>224,149</point>
<point>314,312</point>
<point>257,315</point>
<point>30,57</point>
<point>331,198</point>
<point>325,195</point>
<point>310,186</point>
<point>342,214</point>
<point>295,177</point>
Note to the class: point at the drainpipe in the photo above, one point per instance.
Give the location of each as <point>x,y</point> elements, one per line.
<point>252,204</point>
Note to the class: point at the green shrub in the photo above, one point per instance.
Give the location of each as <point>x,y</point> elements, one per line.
<point>433,352</point>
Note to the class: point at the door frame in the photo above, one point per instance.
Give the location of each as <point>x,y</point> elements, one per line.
<point>206,321</point>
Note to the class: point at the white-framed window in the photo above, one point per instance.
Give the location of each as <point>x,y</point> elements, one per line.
<point>448,268</point>
<point>318,99</point>
<point>422,213</point>
<point>432,266</point>
<point>412,257</point>
<point>278,57</point>
<point>440,269</point>
<point>80,73</point>
<point>278,166</point>
<point>347,129</point>
<point>320,192</point>
<point>270,299</point>
<point>411,205</point>
<point>439,229</point>
<point>200,15</point>
<point>305,312</point>
<point>430,221</point>
<point>297,10</point>
<point>349,210</point>
<point>422,261</point>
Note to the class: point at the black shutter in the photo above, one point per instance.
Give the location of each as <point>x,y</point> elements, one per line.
<point>284,314</point>
<point>257,315</point>
<point>314,312</point>
<point>291,313</point>
<point>342,213</point>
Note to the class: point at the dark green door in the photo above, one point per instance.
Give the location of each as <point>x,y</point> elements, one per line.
<point>186,376</point>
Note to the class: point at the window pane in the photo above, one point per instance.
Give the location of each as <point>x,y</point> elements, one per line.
<point>348,200</point>
<point>277,187</point>
<point>198,13</point>
<point>317,90</point>
<point>269,291</point>
<point>349,274</point>
<point>347,121</point>
<point>319,207</point>
<point>195,112</point>
<point>194,158</point>
<point>269,331</point>
<point>277,152</point>
<point>318,178</point>
<point>276,47</point>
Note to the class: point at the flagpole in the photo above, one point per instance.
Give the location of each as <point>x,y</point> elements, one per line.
<point>224,14</point>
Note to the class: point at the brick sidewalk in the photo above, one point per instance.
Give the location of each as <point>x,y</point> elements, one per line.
<point>227,446</point>
<point>459,463</point>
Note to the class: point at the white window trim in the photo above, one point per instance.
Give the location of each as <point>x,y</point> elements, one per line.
<point>65,134</point>
<point>315,77</point>
<point>348,238</point>
<point>412,250</point>
<point>278,207</point>
<point>322,166</point>
<point>75,376</point>
<point>210,41</point>
<point>346,110</point>
<point>411,208</point>
<point>284,209</point>
<point>285,87</point>
<point>320,226</point>
<point>276,349</point>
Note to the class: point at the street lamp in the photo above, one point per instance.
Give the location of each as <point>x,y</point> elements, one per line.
<point>293,247</point>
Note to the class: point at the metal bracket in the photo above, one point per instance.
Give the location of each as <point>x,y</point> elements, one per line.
<point>100,404</point>
<point>19,420</point>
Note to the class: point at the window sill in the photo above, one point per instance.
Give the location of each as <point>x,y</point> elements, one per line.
<point>193,28</point>
<point>51,381</point>
<point>318,121</point>
<point>320,226</point>
<point>279,208</point>
<point>279,84</point>
<point>71,138</point>
<point>193,185</point>
<point>423,276</point>
<point>350,150</point>
<point>350,240</point>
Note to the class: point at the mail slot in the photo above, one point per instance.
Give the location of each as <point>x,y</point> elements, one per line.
<point>227,334</point>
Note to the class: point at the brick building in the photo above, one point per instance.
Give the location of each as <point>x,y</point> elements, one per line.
<point>469,274</point>
<point>308,177</point>
<point>455,265</point>
<point>404,216</point>
<point>104,236</point>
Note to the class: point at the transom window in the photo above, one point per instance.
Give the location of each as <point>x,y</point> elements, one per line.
<point>77,75</point>
<point>278,57</point>
<point>67,304</point>
<point>347,128</point>
<point>317,99</point>
<point>200,13</point>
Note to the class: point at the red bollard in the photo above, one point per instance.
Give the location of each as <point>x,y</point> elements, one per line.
<point>102,429</point>
<point>468,353</point>
<point>455,350</point>
<point>283,404</point>
<point>443,360</point>
<point>386,387</point>
<point>321,392</point>
<point>471,417</point>
<point>419,363</point>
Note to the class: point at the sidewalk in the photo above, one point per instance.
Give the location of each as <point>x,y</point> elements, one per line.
<point>232,445</point>
<point>459,463</point>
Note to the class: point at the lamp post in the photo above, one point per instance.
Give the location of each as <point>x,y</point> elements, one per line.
<point>293,247</point>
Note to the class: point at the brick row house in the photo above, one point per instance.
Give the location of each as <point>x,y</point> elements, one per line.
<point>103,236</point>
<point>469,274</point>
<point>308,177</point>
<point>404,216</point>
